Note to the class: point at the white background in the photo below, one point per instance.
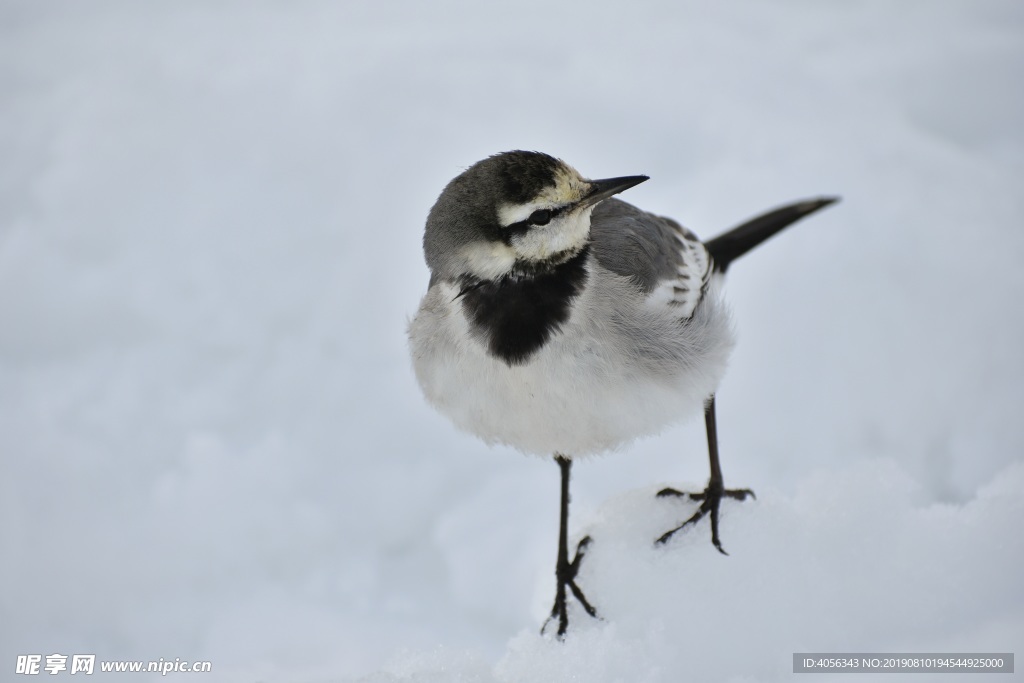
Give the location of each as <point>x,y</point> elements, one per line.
<point>211,443</point>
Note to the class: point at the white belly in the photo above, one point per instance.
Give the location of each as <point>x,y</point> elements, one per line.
<point>619,369</point>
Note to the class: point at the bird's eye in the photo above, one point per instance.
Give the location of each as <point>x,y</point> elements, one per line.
<point>540,217</point>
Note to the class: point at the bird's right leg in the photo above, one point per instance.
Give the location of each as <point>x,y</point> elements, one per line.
<point>565,571</point>
<point>711,497</point>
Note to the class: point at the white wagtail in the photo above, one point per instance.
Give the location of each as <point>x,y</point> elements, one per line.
<point>561,321</point>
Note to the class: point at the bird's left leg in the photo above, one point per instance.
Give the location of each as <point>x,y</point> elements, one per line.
<point>712,496</point>
<point>565,571</point>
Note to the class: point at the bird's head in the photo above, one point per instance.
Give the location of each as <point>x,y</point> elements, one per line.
<point>513,212</point>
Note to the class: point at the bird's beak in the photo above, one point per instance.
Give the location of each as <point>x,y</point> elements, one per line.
<point>602,189</point>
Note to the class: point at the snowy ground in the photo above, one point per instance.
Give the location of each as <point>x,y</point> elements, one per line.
<point>212,444</point>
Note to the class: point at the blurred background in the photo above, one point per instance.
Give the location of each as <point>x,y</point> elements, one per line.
<point>211,443</point>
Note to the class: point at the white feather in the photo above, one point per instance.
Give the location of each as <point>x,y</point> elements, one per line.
<point>623,366</point>
<point>566,232</point>
<point>684,293</point>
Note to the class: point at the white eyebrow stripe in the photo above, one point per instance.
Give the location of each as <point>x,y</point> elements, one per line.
<point>508,214</point>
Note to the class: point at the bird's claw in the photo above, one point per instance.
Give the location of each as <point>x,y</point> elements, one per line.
<point>710,498</point>
<point>566,575</point>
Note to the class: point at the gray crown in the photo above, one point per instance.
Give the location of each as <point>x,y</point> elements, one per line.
<point>467,210</point>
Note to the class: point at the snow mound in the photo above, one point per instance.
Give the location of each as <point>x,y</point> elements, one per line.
<point>852,562</point>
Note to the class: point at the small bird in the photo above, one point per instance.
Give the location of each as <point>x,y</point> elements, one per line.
<point>562,321</point>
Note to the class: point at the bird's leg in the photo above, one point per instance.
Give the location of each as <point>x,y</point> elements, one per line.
<point>712,496</point>
<point>565,571</point>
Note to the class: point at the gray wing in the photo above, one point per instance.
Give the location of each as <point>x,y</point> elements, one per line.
<point>657,253</point>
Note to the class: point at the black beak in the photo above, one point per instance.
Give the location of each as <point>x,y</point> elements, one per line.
<point>602,189</point>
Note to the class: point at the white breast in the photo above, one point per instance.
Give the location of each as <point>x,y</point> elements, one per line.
<point>625,365</point>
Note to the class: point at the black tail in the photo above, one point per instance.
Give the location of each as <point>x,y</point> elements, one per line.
<point>728,247</point>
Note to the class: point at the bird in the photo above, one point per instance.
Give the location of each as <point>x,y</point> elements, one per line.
<point>564,322</point>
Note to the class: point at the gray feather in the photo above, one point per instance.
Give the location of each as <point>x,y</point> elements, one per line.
<point>636,244</point>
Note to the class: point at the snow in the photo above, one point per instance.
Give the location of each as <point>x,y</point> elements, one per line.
<point>212,444</point>
<point>865,564</point>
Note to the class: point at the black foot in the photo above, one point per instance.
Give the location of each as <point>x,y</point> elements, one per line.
<point>711,497</point>
<point>566,575</point>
